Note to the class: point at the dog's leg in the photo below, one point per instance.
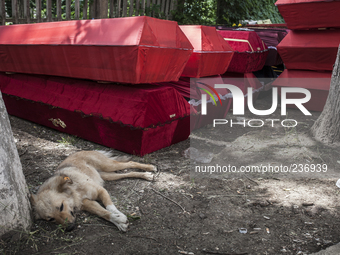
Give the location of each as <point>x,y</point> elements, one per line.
<point>114,176</point>
<point>103,163</point>
<point>116,166</point>
<point>115,216</point>
<point>106,164</point>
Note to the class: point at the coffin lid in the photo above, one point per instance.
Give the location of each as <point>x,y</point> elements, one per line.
<point>145,106</point>
<point>270,36</point>
<point>243,41</point>
<point>283,2</point>
<point>311,39</point>
<point>205,38</point>
<point>129,31</point>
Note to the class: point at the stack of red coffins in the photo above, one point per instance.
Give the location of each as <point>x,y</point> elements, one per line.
<point>309,50</point>
<point>137,118</point>
<point>114,81</point>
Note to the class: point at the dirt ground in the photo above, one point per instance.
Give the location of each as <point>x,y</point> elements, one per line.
<point>183,213</point>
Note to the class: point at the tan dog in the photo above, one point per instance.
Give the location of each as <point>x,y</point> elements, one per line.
<point>78,183</point>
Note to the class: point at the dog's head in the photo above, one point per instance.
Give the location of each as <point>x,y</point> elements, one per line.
<point>54,202</point>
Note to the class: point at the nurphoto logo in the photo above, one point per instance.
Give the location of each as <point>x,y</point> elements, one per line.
<point>204,96</point>
<point>239,103</point>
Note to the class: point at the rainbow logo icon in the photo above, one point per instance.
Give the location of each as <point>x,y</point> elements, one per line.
<point>209,93</point>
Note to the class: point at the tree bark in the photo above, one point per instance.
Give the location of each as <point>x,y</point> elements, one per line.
<point>15,209</point>
<point>327,127</point>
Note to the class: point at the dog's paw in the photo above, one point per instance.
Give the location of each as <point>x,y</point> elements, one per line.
<point>154,169</point>
<point>121,226</point>
<point>120,220</point>
<point>148,176</point>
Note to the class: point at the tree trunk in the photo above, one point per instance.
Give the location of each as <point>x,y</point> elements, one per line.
<point>327,127</point>
<point>15,209</point>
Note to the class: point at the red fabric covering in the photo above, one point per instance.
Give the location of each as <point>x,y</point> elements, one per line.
<point>137,120</point>
<point>306,14</point>
<point>211,56</point>
<point>250,51</point>
<point>183,86</point>
<point>126,50</point>
<point>310,50</point>
<point>317,83</point>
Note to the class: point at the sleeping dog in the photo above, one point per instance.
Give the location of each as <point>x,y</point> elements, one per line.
<point>78,183</point>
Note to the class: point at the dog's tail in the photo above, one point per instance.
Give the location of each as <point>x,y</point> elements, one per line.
<point>117,158</point>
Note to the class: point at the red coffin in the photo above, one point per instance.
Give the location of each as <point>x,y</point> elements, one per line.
<point>305,14</point>
<point>310,50</point>
<point>126,50</point>
<point>271,37</point>
<point>317,83</point>
<point>250,51</point>
<point>136,120</point>
<point>211,56</point>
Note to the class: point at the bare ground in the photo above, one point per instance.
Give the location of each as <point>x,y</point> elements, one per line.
<point>179,213</point>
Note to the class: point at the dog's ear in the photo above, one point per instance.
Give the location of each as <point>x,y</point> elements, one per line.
<point>33,199</point>
<point>64,181</point>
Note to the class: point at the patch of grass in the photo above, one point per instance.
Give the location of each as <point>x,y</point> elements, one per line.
<point>192,183</point>
<point>33,239</point>
<point>133,217</point>
<point>69,140</point>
